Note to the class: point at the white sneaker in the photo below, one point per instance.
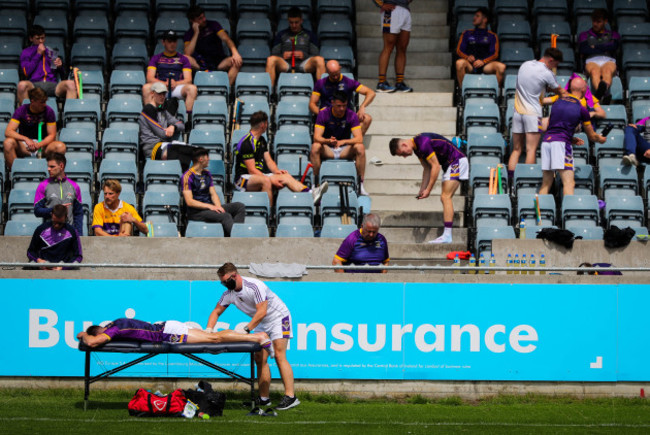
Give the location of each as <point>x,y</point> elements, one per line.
<point>630,160</point>
<point>362,190</point>
<point>318,192</point>
<point>441,239</point>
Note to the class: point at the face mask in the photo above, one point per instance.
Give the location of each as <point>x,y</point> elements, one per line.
<point>230,283</point>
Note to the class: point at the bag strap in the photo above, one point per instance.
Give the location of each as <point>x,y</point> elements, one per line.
<point>149,398</point>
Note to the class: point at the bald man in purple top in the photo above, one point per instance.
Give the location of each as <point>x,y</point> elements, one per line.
<point>436,152</point>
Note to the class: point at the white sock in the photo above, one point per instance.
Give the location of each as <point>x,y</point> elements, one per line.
<point>447,232</point>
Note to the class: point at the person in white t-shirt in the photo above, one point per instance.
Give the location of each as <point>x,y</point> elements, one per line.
<point>268,314</point>
<point>534,77</point>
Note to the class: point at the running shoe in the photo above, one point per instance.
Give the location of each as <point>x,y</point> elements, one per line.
<point>440,240</point>
<point>287,402</point>
<point>258,402</point>
<point>630,160</point>
<point>318,192</point>
<point>403,87</point>
<point>385,87</point>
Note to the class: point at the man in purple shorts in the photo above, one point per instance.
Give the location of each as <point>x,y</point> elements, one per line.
<point>435,152</point>
<point>171,331</point>
<point>557,151</point>
<point>203,45</point>
<point>334,126</point>
<point>335,81</point>
<point>363,246</point>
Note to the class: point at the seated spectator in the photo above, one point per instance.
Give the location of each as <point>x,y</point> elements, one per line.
<point>598,47</point>
<point>589,101</point>
<point>201,198</point>
<point>637,143</point>
<point>114,217</point>
<point>435,152</point>
<point>174,69</point>
<point>478,50</point>
<point>32,130</point>
<point>255,169</point>
<point>334,126</point>
<point>203,45</point>
<point>59,189</point>
<point>42,68</point>
<point>295,50</point>
<point>335,81</point>
<point>365,246</point>
<point>160,131</point>
<point>55,241</point>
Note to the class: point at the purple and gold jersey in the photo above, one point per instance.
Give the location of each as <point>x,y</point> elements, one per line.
<point>355,250</point>
<point>28,122</point>
<point>170,66</point>
<point>325,89</point>
<point>132,329</point>
<point>340,128</point>
<point>567,113</point>
<point>429,144</point>
<point>199,184</point>
<point>208,51</point>
<point>110,220</point>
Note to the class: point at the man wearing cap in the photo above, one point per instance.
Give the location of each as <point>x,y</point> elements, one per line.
<point>172,68</point>
<point>160,131</point>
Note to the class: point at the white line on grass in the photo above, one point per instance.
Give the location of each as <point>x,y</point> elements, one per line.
<point>320,423</point>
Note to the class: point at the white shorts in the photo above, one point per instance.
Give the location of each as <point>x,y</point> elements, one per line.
<point>337,151</point>
<point>299,68</point>
<point>175,327</point>
<point>457,171</point>
<point>600,60</point>
<point>177,92</point>
<point>277,327</point>
<point>395,21</point>
<point>242,182</point>
<point>556,156</point>
<point>525,123</point>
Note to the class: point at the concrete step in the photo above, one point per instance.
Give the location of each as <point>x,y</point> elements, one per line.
<point>406,128</point>
<point>424,18</point>
<point>412,71</point>
<point>414,99</point>
<point>419,85</point>
<point>427,59</point>
<point>373,29</point>
<point>409,169</point>
<point>413,113</point>
<point>420,235</point>
<point>373,43</point>
<point>409,218</point>
<point>410,203</point>
<point>441,6</point>
<point>379,187</point>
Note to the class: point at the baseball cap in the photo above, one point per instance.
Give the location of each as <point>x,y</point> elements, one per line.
<point>159,88</point>
<point>170,35</point>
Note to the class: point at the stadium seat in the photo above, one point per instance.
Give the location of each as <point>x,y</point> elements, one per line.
<point>120,140</point>
<point>92,83</point>
<point>253,84</point>
<point>584,179</point>
<point>81,171</point>
<point>618,181</point>
<point>545,29</point>
<point>203,229</point>
<point>210,111</point>
<point>468,7</point>
<point>586,232</point>
<point>513,10</point>
<point>509,86</point>
<point>131,27</point>
<point>616,115</point>
<point>479,178</point>
<point>209,136</point>
<point>92,25</point>
<point>625,211</point>
<point>331,209</point>
<point>640,109</point>
<point>526,209</point>
<point>580,210</point>
<point>21,5</point>
<point>212,83</point>
<point>586,7</point>
<point>252,104</point>
<point>480,85</point>
<point>254,28</point>
<point>164,23</point>
<point>130,55</point>
<point>335,29</point>
<point>28,170</point>
<point>335,7</point>
<point>283,6</point>
<point>484,116</point>
<point>63,5</point>
<point>217,169</point>
<point>491,210</point>
<point>10,54</point>
<point>528,178</point>
<point>295,84</point>
<point>171,5</point>
<point>630,9</point>
<point>21,227</point>
<point>123,108</point>
<point>82,112</point>
<point>8,81</point>
<point>212,7</point>
<point>485,235</point>
<point>550,9</point>
<point>254,54</point>
<point>293,110</point>
<point>162,172</point>
<point>638,89</point>
<point>163,229</point>
<point>636,62</point>
<point>21,203</point>
<point>611,152</point>
<point>161,204</point>
<point>294,204</point>
<point>334,231</point>
<point>287,141</point>
<point>296,165</point>
<point>338,171</point>
<point>514,31</point>
<point>294,230</point>
<point>126,82</point>
<point>514,56</point>
<point>7,105</point>
<point>249,230</point>
<point>343,54</point>
<point>486,144</point>
<point>13,25</point>
<point>258,207</point>
<point>122,169</point>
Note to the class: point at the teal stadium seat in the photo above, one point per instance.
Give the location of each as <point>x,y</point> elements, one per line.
<point>491,210</point>
<point>287,230</point>
<point>249,230</point>
<point>258,207</point>
<point>203,229</point>
<point>625,211</point>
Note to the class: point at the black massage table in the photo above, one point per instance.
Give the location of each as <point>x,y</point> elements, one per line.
<point>153,349</point>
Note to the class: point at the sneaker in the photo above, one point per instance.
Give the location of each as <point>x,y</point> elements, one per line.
<point>385,87</point>
<point>630,160</point>
<point>287,402</point>
<point>440,240</point>
<point>403,87</point>
<point>363,191</point>
<point>258,402</point>
<point>318,192</point>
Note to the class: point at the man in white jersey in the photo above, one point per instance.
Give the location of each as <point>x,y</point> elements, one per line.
<point>533,78</point>
<point>269,314</point>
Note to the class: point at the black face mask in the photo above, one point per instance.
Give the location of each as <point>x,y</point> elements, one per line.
<point>230,283</point>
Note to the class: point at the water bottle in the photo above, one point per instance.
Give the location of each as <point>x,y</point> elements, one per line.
<point>481,262</point>
<point>509,264</point>
<point>523,265</point>
<point>493,263</point>
<point>472,263</point>
<point>522,229</point>
<point>532,264</point>
<point>456,264</point>
<point>516,264</point>
<point>542,263</point>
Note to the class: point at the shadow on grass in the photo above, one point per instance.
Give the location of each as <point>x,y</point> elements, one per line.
<point>104,404</point>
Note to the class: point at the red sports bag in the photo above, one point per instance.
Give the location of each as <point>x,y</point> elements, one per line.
<point>146,404</point>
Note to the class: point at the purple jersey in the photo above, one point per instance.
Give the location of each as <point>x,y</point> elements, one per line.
<point>592,44</point>
<point>566,114</point>
<point>28,122</point>
<point>208,51</point>
<point>170,66</point>
<point>37,67</point>
<point>340,128</point>
<point>325,89</point>
<point>480,43</point>
<point>355,250</point>
<point>199,184</point>
<point>428,144</point>
<point>132,329</point>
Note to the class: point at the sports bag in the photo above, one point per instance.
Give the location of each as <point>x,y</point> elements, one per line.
<point>146,404</point>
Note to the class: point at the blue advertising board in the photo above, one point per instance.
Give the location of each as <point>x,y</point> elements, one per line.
<point>414,331</point>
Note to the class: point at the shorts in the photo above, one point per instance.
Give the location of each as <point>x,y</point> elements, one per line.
<point>337,151</point>
<point>278,327</point>
<point>177,92</point>
<point>458,171</point>
<point>242,181</point>
<point>557,156</point>
<point>300,68</point>
<point>175,332</point>
<point>525,123</point>
<point>48,87</point>
<point>396,21</point>
<point>600,60</point>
